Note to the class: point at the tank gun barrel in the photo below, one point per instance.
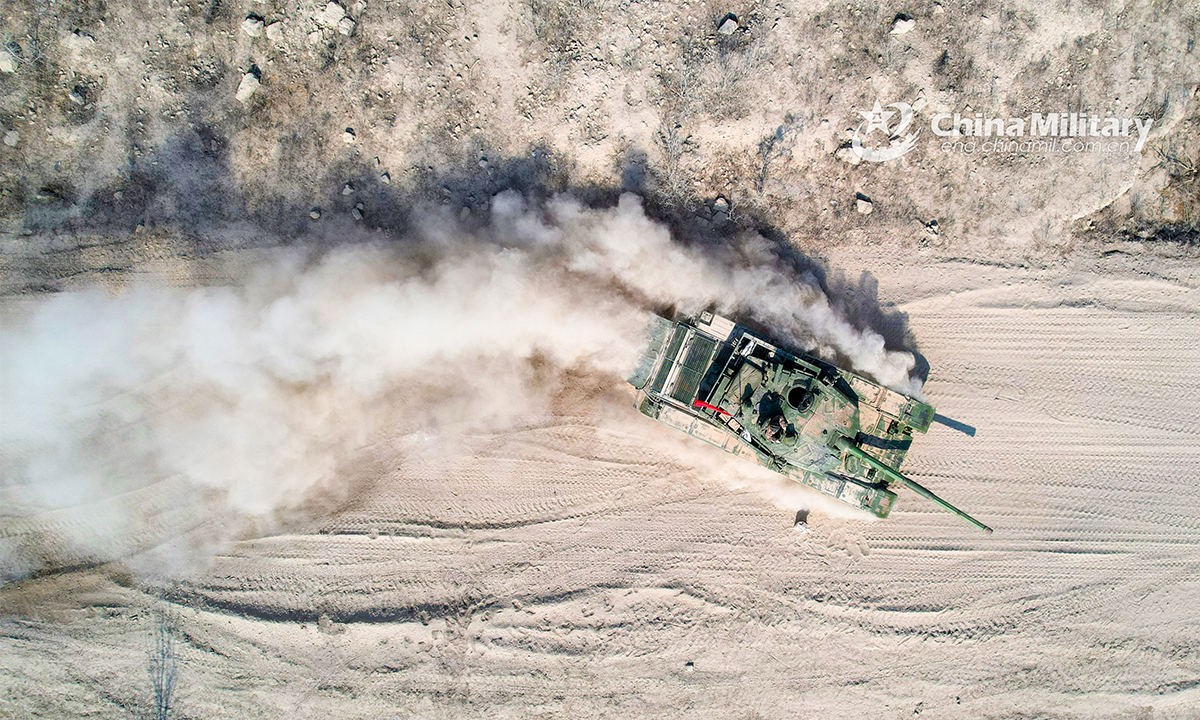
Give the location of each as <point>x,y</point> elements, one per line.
<point>846,444</point>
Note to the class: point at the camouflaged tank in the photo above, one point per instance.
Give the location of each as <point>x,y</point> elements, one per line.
<point>821,426</point>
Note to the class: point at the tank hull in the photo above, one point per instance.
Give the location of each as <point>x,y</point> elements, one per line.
<point>731,387</point>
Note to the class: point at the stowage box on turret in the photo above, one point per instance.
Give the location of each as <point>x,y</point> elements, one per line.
<point>821,426</point>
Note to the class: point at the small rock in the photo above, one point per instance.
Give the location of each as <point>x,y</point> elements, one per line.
<point>247,87</point>
<point>75,97</point>
<point>864,205</point>
<point>328,626</point>
<point>357,211</point>
<point>720,204</point>
<point>483,162</point>
<point>902,24</point>
<point>345,26</point>
<point>348,189</point>
<point>332,14</point>
<point>315,213</point>
<point>689,666</point>
<point>385,178</point>
<point>847,155</point>
<point>8,61</point>
<point>375,161</point>
<point>314,37</point>
<point>252,25</point>
<point>931,228</point>
<point>11,138</point>
<point>348,136</point>
<point>78,41</point>
<point>275,31</point>
<point>729,25</point>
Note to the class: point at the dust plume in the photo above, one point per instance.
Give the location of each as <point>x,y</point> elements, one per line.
<point>248,399</point>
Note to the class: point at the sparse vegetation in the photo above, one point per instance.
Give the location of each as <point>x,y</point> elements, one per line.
<point>560,26</point>
<point>775,148</point>
<point>163,664</point>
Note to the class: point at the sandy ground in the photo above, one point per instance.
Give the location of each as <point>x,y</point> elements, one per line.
<point>571,569</point>
<point>586,562</point>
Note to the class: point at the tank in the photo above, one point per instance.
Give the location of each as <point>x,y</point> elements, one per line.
<point>821,426</point>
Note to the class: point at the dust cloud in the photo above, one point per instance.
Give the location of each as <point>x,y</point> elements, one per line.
<point>255,394</point>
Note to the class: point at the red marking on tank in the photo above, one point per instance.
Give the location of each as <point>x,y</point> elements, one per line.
<point>702,404</point>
